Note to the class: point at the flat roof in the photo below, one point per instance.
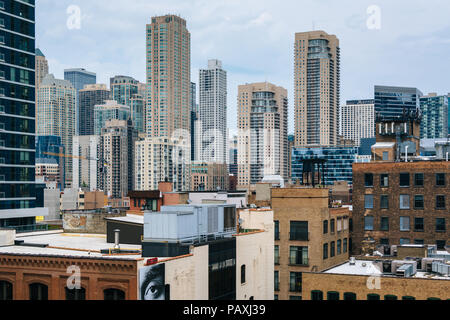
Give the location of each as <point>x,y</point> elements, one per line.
<point>131,218</point>
<point>62,244</point>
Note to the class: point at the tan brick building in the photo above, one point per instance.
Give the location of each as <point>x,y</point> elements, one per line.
<point>309,236</point>
<point>401,202</point>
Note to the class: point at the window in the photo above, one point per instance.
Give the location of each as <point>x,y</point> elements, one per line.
<point>404,224</point>
<point>332,225</point>
<point>384,224</point>
<point>404,201</point>
<point>332,249</point>
<point>299,230</point>
<point>368,179</point>
<point>38,291</point>
<point>368,201</point>
<point>339,225</point>
<point>368,223</point>
<point>277,254</point>
<point>277,230</point>
<point>433,298</point>
<point>418,224</point>
<point>385,155</point>
<point>350,224</point>
<point>339,246</point>
<point>440,179</point>
<point>418,202</point>
<point>295,298</point>
<point>408,298</point>
<point>325,226</point>
<point>390,297</point>
<point>440,224</point>
<point>316,295</point>
<point>418,179</point>
<point>349,296</point>
<point>440,244</point>
<point>440,202</point>
<point>373,296</point>
<point>113,294</point>
<point>404,179</point>
<point>6,291</point>
<point>325,251</point>
<point>275,297</point>
<point>404,241</point>
<point>332,295</point>
<point>277,280</point>
<point>295,282</point>
<point>384,201</point>
<point>419,241</point>
<point>384,180</point>
<point>75,294</point>
<point>243,274</point>
<point>344,246</point>
<point>298,256</point>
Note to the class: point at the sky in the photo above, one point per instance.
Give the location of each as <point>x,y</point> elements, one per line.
<point>383,42</point>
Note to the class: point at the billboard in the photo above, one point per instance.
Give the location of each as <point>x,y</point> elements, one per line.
<point>152,283</point>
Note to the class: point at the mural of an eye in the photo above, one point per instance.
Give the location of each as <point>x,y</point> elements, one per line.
<point>152,282</point>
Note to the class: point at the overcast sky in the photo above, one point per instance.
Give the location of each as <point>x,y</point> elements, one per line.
<point>254,40</point>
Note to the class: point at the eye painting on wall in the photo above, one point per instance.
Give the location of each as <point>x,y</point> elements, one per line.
<point>152,283</point>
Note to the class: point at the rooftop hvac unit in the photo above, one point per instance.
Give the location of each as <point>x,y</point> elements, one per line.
<point>441,268</point>
<point>427,263</point>
<point>397,264</point>
<point>352,261</point>
<point>406,270</point>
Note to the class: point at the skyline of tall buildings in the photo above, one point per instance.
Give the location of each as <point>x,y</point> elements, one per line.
<point>357,120</point>
<point>90,96</point>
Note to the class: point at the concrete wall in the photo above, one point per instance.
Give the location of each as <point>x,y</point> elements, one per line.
<point>52,202</point>
<point>7,237</point>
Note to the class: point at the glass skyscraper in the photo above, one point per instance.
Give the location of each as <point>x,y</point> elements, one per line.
<point>17,115</point>
<point>391,101</point>
<point>338,162</point>
<point>434,110</point>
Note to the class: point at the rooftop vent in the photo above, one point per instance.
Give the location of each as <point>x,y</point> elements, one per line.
<point>352,261</point>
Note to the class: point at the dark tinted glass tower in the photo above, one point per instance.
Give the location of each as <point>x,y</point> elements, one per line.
<point>17,114</point>
<point>392,101</point>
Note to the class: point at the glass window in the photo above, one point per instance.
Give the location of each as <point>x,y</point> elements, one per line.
<point>390,297</point>
<point>419,241</point>
<point>277,254</point>
<point>243,274</point>
<point>332,249</point>
<point>325,226</point>
<point>384,224</point>
<point>295,282</point>
<point>332,295</point>
<point>298,256</point>
<point>384,180</point>
<point>385,155</point>
<point>418,224</point>
<point>418,202</point>
<point>384,241</point>
<point>349,296</point>
<point>325,251</point>
<point>332,222</point>
<point>6,291</point>
<point>404,201</point>
<point>277,280</point>
<point>440,179</point>
<point>418,179</point>
<point>277,230</point>
<point>75,294</point>
<point>440,244</point>
<point>440,202</point>
<point>404,224</point>
<point>113,294</point>
<point>368,201</point>
<point>373,296</point>
<point>339,247</point>
<point>384,201</point>
<point>344,246</point>
<point>440,224</point>
<point>38,291</point>
<point>316,295</point>
<point>368,223</point>
<point>404,241</point>
<point>404,179</point>
<point>368,179</point>
<point>299,230</point>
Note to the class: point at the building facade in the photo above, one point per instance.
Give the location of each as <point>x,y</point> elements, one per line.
<point>434,110</point>
<point>90,96</point>
<point>51,147</point>
<point>262,132</point>
<point>213,112</point>
<point>313,238</point>
<point>357,120</point>
<point>41,68</point>
<point>56,114</point>
<point>157,160</point>
<point>87,166</point>
<point>209,176</point>
<point>168,76</point>
<point>401,203</point>
<point>317,88</point>
<point>111,110</point>
<point>394,101</point>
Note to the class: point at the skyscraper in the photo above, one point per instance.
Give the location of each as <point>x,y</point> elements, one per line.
<point>123,88</point>
<point>213,112</point>
<point>17,116</point>
<point>89,97</point>
<point>393,101</point>
<point>86,167</point>
<point>434,110</point>
<point>195,125</point>
<point>56,114</point>
<point>357,120</point>
<point>41,68</point>
<point>168,76</point>
<point>262,132</point>
<point>317,88</point>
<point>79,77</point>
<point>108,111</point>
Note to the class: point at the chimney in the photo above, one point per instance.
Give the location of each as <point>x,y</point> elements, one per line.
<point>116,239</point>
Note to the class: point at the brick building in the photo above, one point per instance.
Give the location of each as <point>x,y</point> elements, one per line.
<point>309,236</point>
<point>400,203</point>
